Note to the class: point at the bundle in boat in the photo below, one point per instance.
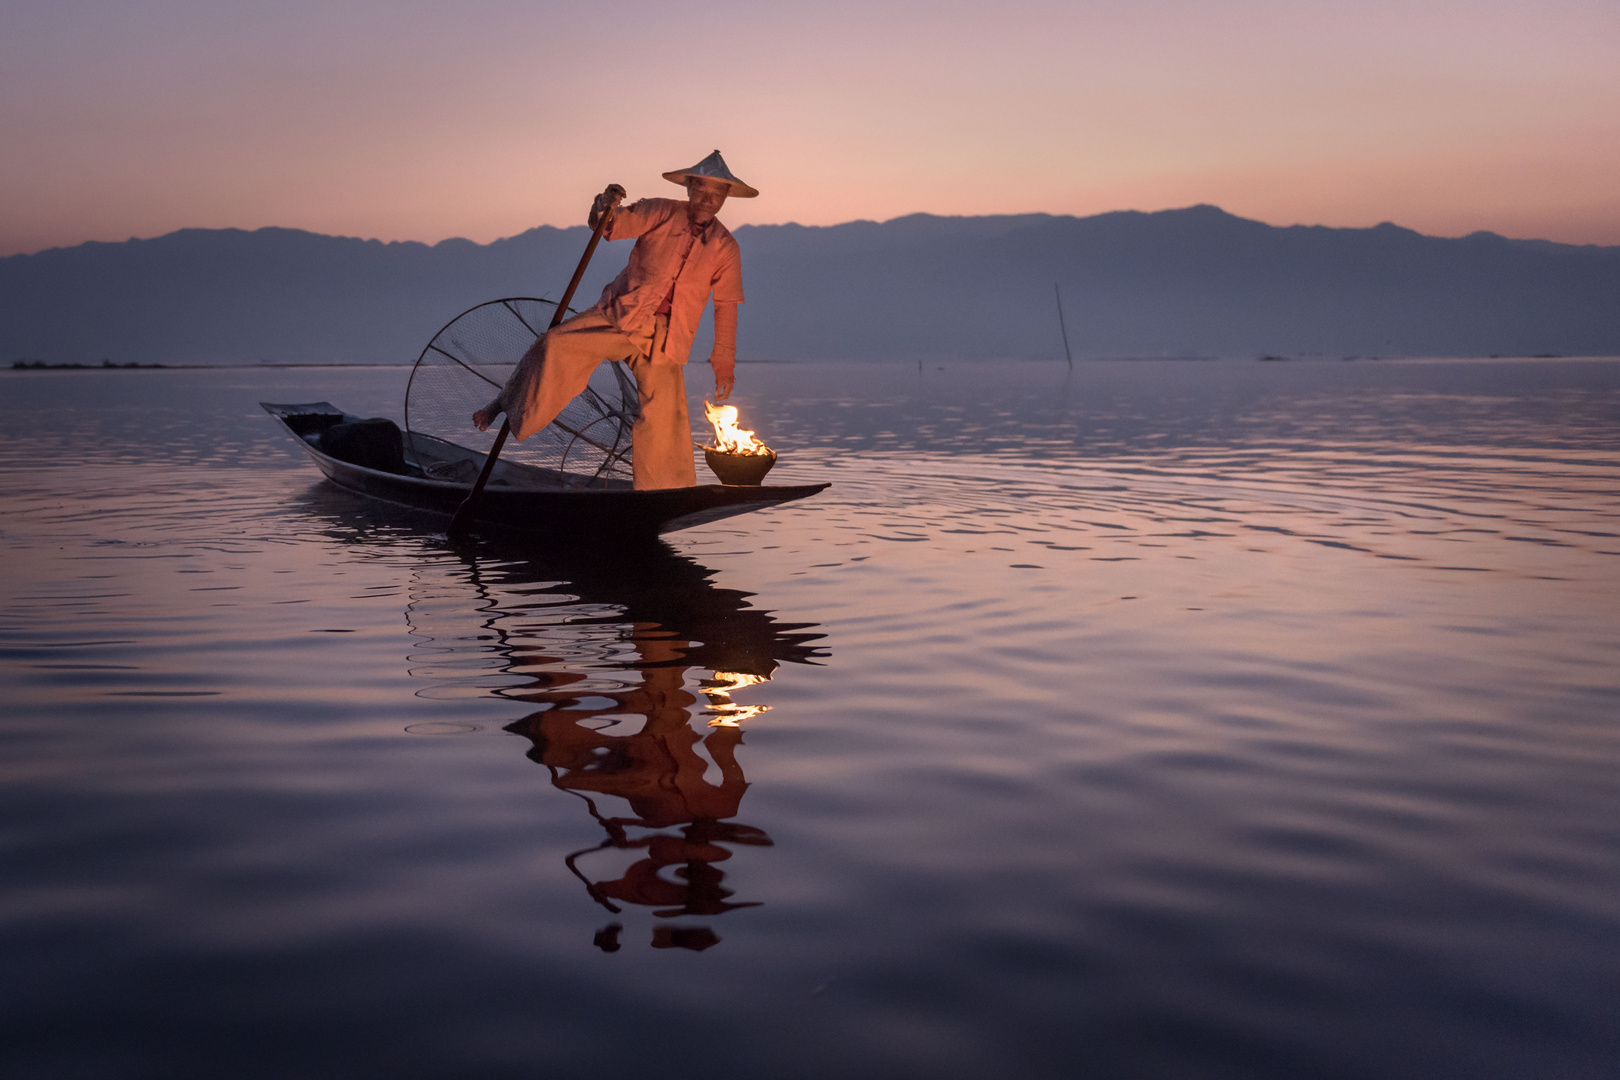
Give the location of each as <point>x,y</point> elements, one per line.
<point>375,443</point>
<point>737,458</point>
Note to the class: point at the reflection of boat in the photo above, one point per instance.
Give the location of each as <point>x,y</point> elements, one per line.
<point>628,664</point>
<point>437,475</point>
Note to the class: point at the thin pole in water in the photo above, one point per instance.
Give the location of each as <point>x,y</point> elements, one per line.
<point>1065,330</point>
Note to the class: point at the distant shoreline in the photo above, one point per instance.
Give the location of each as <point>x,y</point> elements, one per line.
<point>108,365</point>
<point>1269,358</point>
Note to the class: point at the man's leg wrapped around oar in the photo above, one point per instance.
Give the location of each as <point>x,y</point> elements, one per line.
<point>557,368</point>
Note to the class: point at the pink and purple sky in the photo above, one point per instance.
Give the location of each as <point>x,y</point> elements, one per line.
<point>404,119</point>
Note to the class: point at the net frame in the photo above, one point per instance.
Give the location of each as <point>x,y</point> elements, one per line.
<point>468,361</point>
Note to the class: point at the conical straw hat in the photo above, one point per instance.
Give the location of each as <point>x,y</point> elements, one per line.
<point>713,167</point>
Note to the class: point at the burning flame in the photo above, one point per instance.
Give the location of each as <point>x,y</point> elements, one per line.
<point>728,437</point>
<point>726,712</point>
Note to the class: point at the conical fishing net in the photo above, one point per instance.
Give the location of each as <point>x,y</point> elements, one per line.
<point>467,363</point>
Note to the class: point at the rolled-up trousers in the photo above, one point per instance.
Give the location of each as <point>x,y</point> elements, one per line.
<point>559,365</point>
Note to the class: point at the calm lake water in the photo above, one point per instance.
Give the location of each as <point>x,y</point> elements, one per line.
<point>1165,719</point>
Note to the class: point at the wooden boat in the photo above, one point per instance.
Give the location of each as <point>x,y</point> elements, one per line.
<point>437,476</point>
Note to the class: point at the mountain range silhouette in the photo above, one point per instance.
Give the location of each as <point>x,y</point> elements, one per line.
<point>1190,282</point>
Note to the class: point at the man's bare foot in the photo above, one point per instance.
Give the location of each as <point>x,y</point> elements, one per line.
<point>486,416</point>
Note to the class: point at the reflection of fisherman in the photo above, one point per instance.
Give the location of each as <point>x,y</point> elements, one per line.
<point>680,825</point>
<point>660,773</point>
<point>647,318</point>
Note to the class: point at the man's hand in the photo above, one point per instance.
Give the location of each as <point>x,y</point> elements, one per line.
<point>725,377</point>
<point>611,197</point>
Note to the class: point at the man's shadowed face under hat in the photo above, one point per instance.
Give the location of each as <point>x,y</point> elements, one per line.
<point>706,196</point>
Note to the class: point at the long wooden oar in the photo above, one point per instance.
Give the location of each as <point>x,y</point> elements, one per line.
<point>464,512</point>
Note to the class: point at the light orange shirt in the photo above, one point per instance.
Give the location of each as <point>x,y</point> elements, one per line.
<point>669,256</point>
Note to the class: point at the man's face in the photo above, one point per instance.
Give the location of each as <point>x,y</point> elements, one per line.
<point>706,197</point>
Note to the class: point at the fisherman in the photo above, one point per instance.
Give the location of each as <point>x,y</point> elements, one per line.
<point>646,318</point>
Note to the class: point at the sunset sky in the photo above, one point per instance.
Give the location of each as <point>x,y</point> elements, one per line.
<point>416,120</point>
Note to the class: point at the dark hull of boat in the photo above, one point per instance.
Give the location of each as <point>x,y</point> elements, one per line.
<point>514,500</point>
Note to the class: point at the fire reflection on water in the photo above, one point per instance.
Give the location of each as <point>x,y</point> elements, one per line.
<point>718,690</point>
<point>632,664</point>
